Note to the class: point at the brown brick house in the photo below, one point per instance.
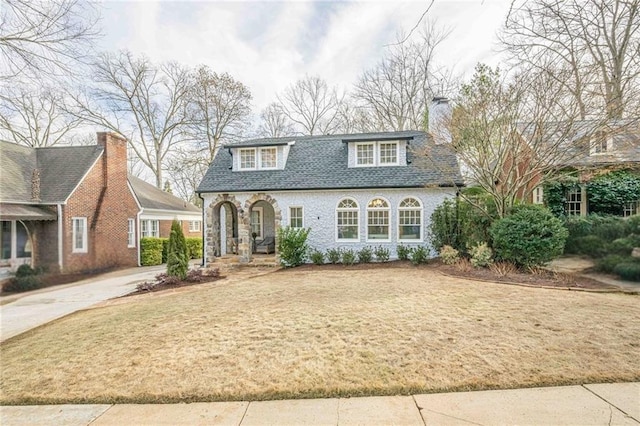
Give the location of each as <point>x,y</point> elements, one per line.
<point>76,208</point>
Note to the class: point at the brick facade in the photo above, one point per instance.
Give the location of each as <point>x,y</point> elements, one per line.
<point>105,200</point>
<point>165,229</point>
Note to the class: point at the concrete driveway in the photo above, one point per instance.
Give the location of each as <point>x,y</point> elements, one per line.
<point>20,313</point>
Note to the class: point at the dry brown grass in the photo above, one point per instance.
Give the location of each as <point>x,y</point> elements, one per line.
<point>317,333</point>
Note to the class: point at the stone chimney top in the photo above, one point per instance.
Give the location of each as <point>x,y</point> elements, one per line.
<point>439,116</point>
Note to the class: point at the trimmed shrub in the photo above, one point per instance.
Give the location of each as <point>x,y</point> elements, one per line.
<point>628,270</point>
<point>23,283</point>
<point>529,236</point>
<point>292,246</point>
<point>481,255</point>
<point>608,263</point>
<point>621,246</point>
<point>150,251</point>
<point>365,255</point>
<point>403,252</point>
<point>178,255</point>
<point>165,249</point>
<point>382,254</point>
<point>25,271</point>
<point>334,255</point>
<point>449,255</point>
<point>317,257</point>
<point>419,255</point>
<point>348,257</point>
<point>194,245</point>
<point>591,245</point>
<point>459,224</point>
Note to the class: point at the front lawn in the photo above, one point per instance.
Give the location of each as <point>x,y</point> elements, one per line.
<point>324,332</point>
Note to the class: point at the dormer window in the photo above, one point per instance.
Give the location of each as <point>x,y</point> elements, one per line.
<point>258,158</point>
<point>376,154</point>
<point>601,143</point>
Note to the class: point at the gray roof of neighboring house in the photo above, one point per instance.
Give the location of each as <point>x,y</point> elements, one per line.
<point>151,197</point>
<point>574,142</point>
<point>320,162</point>
<point>61,170</point>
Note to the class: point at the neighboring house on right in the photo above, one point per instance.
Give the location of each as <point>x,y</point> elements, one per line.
<point>588,151</point>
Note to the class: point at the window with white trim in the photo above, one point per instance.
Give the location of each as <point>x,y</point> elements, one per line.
<point>257,223</point>
<point>365,154</point>
<point>631,208</point>
<point>538,195</point>
<point>79,234</point>
<point>409,220</point>
<point>601,143</point>
<point>388,153</point>
<point>347,223</point>
<point>149,228</point>
<point>247,159</point>
<point>268,158</point>
<point>574,201</point>
<point>378,219</point>
<point>295,217</point>
<point>131,233</point>
<point>194,226</point>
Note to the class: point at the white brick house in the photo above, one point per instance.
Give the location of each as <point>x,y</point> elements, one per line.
<point>352,191</point>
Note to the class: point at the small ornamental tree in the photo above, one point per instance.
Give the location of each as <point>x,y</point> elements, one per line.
<point>178,254</point>
<point>292,246</point>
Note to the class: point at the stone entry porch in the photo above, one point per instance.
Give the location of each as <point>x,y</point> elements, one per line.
<point>231,261</point>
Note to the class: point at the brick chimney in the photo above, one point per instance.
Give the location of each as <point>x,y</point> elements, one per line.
<point>114,157</point>
<point>439,116</point>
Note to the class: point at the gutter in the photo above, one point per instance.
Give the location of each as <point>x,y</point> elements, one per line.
<point>60,233</point>
<point>204,241</point>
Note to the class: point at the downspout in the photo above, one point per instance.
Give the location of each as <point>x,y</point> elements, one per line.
<point>60,233</point>
<point>204,240</point>
<point>138,234</point>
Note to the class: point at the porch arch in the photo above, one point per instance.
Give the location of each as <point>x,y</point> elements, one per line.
<point>214,231</point>
<point>245,238</point>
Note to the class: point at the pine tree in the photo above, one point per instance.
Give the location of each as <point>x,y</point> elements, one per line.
<point>178,254</point>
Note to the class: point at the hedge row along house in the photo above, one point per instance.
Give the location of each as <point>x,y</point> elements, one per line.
<point>352,191</point>
<point>590,153</point>
<point>76,208</point>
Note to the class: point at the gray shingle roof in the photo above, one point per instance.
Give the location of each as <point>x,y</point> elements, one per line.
<point>151,197</point>
<point>320,162</point>
<point>61,170</point>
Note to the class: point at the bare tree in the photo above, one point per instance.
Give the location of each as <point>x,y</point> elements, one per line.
<point>220,109</point>
<point>397,92</point>
<point>40,37</point>
<point>145,103</point>
<point>595,42</point>
<point>35,117</point>
<point>312,106</point>
<point>512,134</point>
<point>274,122</point>
<point>187,168</point>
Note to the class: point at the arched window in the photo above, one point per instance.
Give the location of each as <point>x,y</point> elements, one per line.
<point>347,219</point>
<point>410,220</point>
<point>378,219</point>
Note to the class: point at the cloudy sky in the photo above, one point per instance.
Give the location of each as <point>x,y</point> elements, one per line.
<point>270,44</point>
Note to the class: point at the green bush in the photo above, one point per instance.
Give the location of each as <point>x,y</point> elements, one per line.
<point>608,263</point>
<point>178,254</point>
<point>481,255</point>
<point>317,257</point>
<point>194,245</point>
<point>529,236</point>
<point>621,246</point>
<point>449,255</point>
<point>382,254</point>
<point>419,254</point>
<point>25,271</point>
<point>403,252</point>
<point>460,224</point>
<point>23,283</point>
<point>590,245</point>
<point>608,193</point>
<point>292,246</point>
<point>165,249</point>
<point>334,255</point>
<point>150,251</point>
<point>348,257</point>
<point>633,224</point>
<point>608,228</point>
<point>628,270</point>
<point>365,255</point>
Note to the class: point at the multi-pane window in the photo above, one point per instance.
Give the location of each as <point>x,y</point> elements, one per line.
<point>574,201</point>
<point>538,195</point>
<point>149,228</point>
<point>378,219</point>
<point>131,233</point>
<point>388,153</point>
<point>79,234</point>
<point>256,222</point>
<point>365,154</point>
<point>631,208</point>
<point>268,158</point>
<point>600,143</point>
<point>14,240</point>
<point>247,158</point>
<point>409,219</point>
<point>194,226</point>
<point>347,219</point>
<point>295,217</point>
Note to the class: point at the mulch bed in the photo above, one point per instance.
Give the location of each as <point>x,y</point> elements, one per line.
<point>159,285</point>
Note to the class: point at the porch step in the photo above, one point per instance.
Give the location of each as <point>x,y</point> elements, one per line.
<point>232,262</point>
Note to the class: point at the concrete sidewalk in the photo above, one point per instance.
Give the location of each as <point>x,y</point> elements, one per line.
<point>598,404</point>
<point>22,312</point>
